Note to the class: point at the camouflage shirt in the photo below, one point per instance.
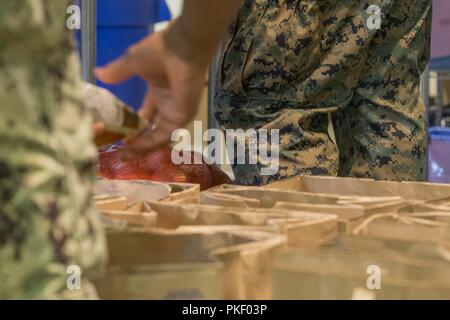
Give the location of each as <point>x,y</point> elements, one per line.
<point>289,64</point>
<point>47,159</point>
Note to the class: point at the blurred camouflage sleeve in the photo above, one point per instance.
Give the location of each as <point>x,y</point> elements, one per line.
<point>47,160</point>
<point>387,117</point>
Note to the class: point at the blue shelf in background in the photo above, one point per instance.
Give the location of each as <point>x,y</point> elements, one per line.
<point>131,13</point>
<point>121,23</point>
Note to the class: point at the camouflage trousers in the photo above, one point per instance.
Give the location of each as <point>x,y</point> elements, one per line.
<point>47,161</point>
<point>344,96</point>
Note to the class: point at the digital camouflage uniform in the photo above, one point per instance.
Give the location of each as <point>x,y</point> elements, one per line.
<point>47,161</point>
<point>302,66</point>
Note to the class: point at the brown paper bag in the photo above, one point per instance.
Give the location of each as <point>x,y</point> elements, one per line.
<point>248,265</point>
<point>349,216</point>
<point>159,266</point>
<point>142,190</point>
<point>173,215</point>
<point>331,274</point>
<point>433,210</point>
<point>183,193</point>
<point>139,215</point>
<point>364,187</point>
<point>407,227</point>
<point>302,229</point>
<point>350,210</point>
<point>162,264</point>
<point>407,250</point>
<point>105,203</point>
<point>267,197</point>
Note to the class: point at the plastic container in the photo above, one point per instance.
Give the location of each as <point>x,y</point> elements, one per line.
<point>439,155</point>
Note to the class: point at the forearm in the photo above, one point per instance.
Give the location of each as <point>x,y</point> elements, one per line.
<point>196,35</point>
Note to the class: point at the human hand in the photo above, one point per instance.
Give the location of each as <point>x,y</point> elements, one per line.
<point>175,86</point>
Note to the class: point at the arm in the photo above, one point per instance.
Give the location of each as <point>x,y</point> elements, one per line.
<point>197,33</point>
<point>174,63</point>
